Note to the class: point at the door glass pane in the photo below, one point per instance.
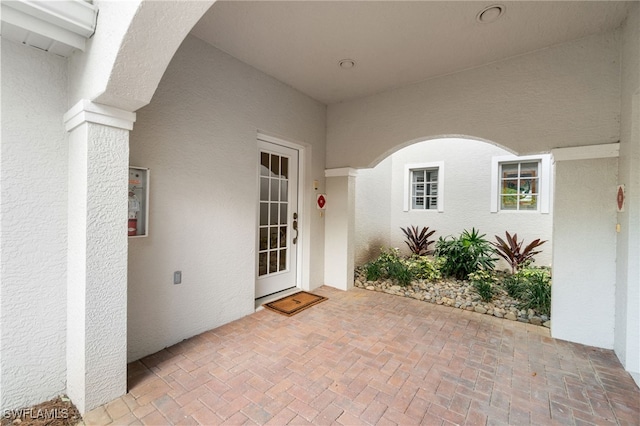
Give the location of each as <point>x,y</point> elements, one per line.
<point>264,213</point>
<point>274,213</point>
<point>264,189</point>
<point>262,264</point>
<point>275,165</point>
<point>264,164</point>
<point>275,189</point>
<point>264,237</point>
<point>273,262</point>
<point>283,236</point>
<point>273,238</point>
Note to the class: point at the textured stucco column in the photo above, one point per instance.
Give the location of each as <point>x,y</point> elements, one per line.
<point>584,234</point>
<point>339,242</point>
<point>97,253</point>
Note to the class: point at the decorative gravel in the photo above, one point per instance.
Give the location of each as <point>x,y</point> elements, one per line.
<point>457,294</point>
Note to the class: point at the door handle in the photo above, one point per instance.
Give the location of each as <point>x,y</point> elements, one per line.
<point>295,227</point>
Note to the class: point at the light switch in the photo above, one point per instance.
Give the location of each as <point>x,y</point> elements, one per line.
<point>177,277</point>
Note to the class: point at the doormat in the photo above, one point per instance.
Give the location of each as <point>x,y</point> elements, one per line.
<point>294,303</point>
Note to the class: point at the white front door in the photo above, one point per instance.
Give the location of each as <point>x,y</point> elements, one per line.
<point>277,218</point>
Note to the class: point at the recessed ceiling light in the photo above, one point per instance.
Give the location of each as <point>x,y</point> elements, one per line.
<point>490,13</point>
<point>347,63</point>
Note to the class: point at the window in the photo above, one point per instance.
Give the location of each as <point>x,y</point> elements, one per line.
<point>424,189</point>
<point>521,183</point>
<point>423,186</point>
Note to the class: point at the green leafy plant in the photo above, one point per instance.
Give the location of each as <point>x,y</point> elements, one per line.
<point>483,283</point>
<point>389,265</point>
<point>400,272</point>
<point>513,284</point>
<point>469,253</point>
<point>426,268</point>
<point>373,271</point>
<point>510,249</point>
<point>418,240</point>
<point>536,294</point>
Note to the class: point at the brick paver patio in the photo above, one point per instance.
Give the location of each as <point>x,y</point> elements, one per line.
<point>370,358</point>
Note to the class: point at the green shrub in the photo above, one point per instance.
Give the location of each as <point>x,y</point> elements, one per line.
<point>513,284</point>
<point>426,268</point>
<point>373,271</point>
<point>483,282</point>
<point>532,287</point>
<point>389,265</point>
<point>400,272</point>
<point>469,253</point>
<point>537,292</point>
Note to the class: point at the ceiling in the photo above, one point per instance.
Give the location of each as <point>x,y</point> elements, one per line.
<point>394,43</point>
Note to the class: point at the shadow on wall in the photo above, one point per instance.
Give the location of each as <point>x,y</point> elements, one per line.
<point>372,251</point>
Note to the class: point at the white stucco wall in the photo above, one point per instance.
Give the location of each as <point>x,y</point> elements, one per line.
<point>627,329</point>
<point>567,95</point>
<point>466,191</point>
<point>339,240</point>
<point>33,171</point>
<point>372,211</point>
<point>584,250</point>
<point>198,137</point>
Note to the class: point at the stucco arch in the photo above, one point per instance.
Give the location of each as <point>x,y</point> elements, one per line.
<point>405,144</point>
<point>123,65</point>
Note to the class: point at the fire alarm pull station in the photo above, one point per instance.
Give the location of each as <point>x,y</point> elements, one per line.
<point>138,215</point>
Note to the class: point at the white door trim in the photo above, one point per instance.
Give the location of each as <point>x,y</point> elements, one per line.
<point>302,269</point>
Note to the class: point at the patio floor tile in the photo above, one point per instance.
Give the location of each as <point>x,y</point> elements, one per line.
<point>369,358</point>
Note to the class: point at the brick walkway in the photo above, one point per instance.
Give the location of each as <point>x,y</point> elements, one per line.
<point>371,358</point>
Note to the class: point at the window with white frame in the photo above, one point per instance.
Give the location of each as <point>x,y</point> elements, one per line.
<point>423,186</point>
<point>521,183</point>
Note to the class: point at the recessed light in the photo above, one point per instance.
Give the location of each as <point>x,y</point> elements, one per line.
<point>347,63</point>
<point>490,13</point>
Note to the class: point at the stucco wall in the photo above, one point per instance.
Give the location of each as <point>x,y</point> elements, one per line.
<point>34,225</point>
<point>627,330</point>
<point>567,95</point>
<point>198,137</point>
<point>373,211</point>
<point>467,192</point>
<point>584,249</point>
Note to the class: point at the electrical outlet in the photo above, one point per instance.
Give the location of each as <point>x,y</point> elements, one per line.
<point>177,277</point>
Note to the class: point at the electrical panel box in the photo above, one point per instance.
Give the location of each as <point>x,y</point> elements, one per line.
<point>138,215</point>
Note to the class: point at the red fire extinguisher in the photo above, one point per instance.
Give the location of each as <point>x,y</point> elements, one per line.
<point>134,208</point>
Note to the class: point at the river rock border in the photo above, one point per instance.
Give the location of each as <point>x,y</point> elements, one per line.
<point>457,294</point>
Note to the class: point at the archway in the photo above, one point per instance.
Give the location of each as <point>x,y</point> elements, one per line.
<point>464,176</point>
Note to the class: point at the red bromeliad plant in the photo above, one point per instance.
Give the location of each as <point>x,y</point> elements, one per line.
<point>418,241</point>
<point>511,250</point>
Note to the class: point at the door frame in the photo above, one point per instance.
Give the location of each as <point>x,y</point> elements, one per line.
<point>303,229</point>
